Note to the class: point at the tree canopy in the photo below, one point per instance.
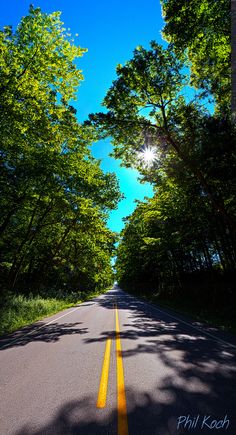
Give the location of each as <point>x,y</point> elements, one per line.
<point>54,198</point>
<point>147,108</point>
<point>202,28</point>
<point>187,230</point>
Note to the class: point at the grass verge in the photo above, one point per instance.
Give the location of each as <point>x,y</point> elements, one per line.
<point>19,311</point>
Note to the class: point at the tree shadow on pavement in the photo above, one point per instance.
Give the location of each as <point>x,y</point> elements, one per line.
<point>154,413</point>
<point>41,332</point>
<point>195,375</point>
<point>196,372</point>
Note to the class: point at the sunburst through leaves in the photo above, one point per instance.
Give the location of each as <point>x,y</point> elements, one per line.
<point>148,156</point>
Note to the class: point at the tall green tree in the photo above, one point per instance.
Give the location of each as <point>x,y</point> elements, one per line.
<point>146,107</point>
<point>54,198</point>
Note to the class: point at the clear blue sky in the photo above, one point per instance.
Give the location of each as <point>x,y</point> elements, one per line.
<point>110,29</point>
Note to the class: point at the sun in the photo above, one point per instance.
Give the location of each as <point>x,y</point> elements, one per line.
<point>148,156</point>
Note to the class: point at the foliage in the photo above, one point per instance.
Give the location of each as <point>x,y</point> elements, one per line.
<point>174,246</point>
<point>147,86</point>
<point>187,232</point>
<point>55,198</point>
<point>202,28</point>
<point>146,108</point>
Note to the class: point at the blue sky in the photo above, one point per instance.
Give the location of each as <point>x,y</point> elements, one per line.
<point>110,30</point>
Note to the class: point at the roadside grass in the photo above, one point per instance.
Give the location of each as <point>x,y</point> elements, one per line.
<point>19,310</point>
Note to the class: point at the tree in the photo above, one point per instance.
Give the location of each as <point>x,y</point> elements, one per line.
<point>54,198</point>
<point>202,28</point>
<point>174,246</point>
<point>145,106</point>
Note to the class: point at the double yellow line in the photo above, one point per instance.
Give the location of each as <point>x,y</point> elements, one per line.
<point>102,393</point>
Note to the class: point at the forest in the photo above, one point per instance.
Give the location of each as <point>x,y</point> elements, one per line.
<point>172,101</point>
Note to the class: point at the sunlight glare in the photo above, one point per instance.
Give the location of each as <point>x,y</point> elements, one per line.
<point>148,156</point>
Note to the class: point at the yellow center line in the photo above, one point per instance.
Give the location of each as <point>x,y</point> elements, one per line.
<point>121,399</point>
<point>102,393</point>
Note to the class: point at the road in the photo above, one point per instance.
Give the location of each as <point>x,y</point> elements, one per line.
<point>117,365</point>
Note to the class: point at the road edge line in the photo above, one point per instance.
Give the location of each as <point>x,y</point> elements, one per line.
<point>36,329</point>
<point>220,340</point>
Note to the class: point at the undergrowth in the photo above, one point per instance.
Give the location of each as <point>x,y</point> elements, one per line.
<point>18,310</point>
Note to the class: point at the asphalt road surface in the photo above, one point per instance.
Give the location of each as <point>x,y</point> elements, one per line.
<point>117,365</point>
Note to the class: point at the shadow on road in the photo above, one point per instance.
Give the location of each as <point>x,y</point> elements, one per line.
<point>42,332</point>
<point>196,376</point>
<point>201,371</point>
<point>146,416</point>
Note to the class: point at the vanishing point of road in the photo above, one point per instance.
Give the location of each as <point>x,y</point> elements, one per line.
<point>120,366</point>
